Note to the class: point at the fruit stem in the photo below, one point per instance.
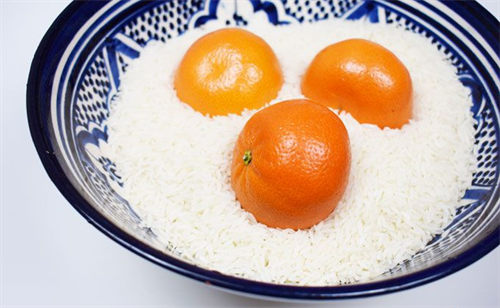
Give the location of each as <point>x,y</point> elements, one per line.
<point>247,158</point>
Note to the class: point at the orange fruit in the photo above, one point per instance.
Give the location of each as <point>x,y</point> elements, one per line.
<point>291,164</point>
<point>364,79</point>
<point>227,71</point>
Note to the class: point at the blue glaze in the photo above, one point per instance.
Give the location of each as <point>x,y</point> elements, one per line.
<point>69,94</point>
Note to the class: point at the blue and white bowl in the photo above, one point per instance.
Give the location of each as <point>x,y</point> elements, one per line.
<point>76,73</point>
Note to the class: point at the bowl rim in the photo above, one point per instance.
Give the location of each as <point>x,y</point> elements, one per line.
<point>36,97</point>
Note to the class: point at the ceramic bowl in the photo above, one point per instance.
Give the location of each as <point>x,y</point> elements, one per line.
<point>76,73</point>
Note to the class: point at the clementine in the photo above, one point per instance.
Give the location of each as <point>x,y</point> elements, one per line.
<point>227,71</point>
<point>291,164</point>
<point>364,79</point>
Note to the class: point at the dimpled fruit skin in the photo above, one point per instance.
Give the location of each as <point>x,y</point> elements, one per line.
<point>227,71</point>
<point>299,168</point>
<point>364,79</point>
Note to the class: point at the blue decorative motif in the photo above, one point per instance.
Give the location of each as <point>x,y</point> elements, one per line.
<point>315,10</point>
<point>367,10</point>
<point>99,70</point>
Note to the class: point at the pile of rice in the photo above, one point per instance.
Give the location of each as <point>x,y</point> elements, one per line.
<point>403,188</point>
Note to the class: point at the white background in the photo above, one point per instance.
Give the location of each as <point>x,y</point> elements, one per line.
<point>51,257</point>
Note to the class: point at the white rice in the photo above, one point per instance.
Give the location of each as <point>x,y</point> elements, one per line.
<point>403,188</point>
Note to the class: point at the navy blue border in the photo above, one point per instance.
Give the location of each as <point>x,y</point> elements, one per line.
<point>38,109</point>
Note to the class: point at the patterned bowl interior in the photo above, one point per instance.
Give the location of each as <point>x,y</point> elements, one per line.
<point>88,78</point>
